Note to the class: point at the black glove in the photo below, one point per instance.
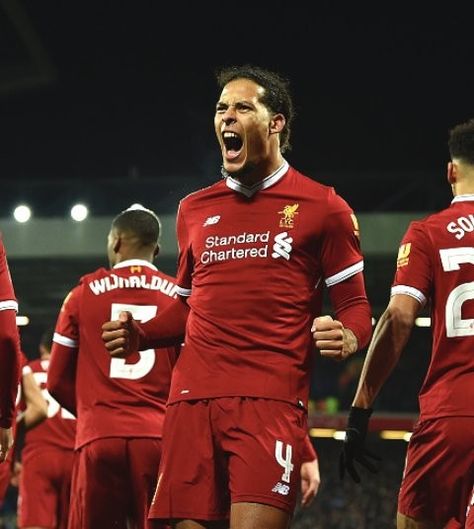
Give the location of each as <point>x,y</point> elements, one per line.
<point>353,448</point>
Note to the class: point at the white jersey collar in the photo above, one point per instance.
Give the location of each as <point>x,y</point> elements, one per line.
<point>263,184</point>
<point>136,262</point>
<point>462,198</point>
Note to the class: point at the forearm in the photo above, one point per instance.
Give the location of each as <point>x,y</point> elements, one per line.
<point>10,367</point>
<point>167,329</point>
<point>352,309</point>
<point>390,337</point>
<point>61,382</point>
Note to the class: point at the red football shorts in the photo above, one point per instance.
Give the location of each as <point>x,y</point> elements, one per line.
<point>44,488</point>
<point>439,470</point>
<point>113,483</point>
<point>227,450</point>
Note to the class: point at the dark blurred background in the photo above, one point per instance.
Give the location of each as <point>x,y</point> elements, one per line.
<point>109,103</point>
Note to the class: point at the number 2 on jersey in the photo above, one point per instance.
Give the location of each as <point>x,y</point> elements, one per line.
<point>451,259</point>
<point>118,366</point>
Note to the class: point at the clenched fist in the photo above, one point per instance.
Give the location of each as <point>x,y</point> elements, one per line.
<point>332,339</point>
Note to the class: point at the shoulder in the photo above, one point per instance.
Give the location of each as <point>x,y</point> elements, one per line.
<point>200,194</point>
<point>100,272</point>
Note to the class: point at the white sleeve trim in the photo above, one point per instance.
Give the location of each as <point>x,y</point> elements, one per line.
<point>344,274</point>
<point>64,340</point>
<point>9,304</point>
<point>185,292</point>
<point>409,291</point>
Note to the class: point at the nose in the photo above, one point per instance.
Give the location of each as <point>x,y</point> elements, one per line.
<point>228,116</point>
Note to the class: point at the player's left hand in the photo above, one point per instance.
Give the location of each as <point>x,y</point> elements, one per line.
<point>332,339</point>
<point>354,449</point>
<point>310,480</point>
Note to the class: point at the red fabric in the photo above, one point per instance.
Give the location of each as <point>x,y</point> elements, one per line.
<point>438,477</point>
<point>352,307</point>
<point>309,452</point>
<point>254,266</point>
<point>116,397</point>
<point>436,262</point>
<point>470,512</point>
<point>9,344</point>
<point>114,481</point>
<point>233,459</point>
<point>61,381</point>
<point>167,328</point>
<point>44,488</point>
<point>59,429</point>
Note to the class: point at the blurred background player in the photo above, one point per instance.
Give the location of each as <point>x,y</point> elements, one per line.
<point>47,454</point>
<point>120,402</point>
<point>254,249</point>
<point>435,265</point>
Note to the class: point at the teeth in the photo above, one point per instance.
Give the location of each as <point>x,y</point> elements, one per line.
<point>228,134</point>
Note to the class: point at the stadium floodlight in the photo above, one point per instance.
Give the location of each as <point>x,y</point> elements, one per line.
<point>79,212</point>
<point>22,213</point>
<point>22,321</point>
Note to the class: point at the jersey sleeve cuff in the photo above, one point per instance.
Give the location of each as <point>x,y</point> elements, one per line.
<point>344,274</point>
<point>409,291</point>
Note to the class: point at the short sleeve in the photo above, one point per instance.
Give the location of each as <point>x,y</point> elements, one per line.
<point>67,328</point>
<point>7,293</point>
<point>341,257</point>
<point>185,257</point>
<point>413,276</point>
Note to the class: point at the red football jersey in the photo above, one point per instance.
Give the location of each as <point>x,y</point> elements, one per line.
<point>59,429</point>
<point>117,397</point>
<point>10,364</point>
<point>435,263</point>
<point>253,261</point>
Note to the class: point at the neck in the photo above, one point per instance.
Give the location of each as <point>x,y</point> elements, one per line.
<point>252,174</point>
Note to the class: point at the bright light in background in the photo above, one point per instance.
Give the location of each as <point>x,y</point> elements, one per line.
<point>79,212</point>
<point>22,213</point>
<point>21,321</point>
<point>423,322</point>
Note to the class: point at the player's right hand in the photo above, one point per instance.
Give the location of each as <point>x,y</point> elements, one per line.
<point>6,442</point>
<point>121,337</point>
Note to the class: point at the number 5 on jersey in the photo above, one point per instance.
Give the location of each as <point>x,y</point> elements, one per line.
<point>118,366</point>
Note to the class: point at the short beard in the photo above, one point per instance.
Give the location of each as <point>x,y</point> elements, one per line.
<point>241,173</point>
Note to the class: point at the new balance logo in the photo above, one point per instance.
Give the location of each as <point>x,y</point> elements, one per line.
<point>282,246</point>
<point>212,220</point>
<point>281,489</point>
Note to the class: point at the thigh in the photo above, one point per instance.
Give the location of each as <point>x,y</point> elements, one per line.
<point>264,445</point>
<point>100,486</point>
<point>65,460</point>
<point>439,471</point>
<point>37,494</point>
<point>190,481</point>
<point>144,458</point>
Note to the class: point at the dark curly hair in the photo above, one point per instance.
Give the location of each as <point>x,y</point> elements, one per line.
<point>461,142</point>
<point>276,97</point>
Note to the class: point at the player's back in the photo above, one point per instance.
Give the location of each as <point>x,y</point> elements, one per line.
<point>59,429</point>
<point>448,388</point>
<point>116,396</point>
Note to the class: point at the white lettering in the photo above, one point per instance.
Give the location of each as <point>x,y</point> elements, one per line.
<point>461,226</point>
<point>112,282</point>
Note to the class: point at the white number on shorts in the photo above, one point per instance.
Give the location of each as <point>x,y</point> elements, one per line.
<point>118,366</point>
<point>451,260</point>
<point>53,405</point>
<point>284,462</point>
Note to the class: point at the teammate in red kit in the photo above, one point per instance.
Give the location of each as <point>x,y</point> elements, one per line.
<point>120,402</point>
<point>255,250</point>
<point>46,456</point>
<point>9,355</point>
<point>435,265</point>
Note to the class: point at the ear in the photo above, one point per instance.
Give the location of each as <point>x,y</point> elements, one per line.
<point>277,123</point>
<point>452,172</point>
<point>117,243</point>
<point>156,251</point>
